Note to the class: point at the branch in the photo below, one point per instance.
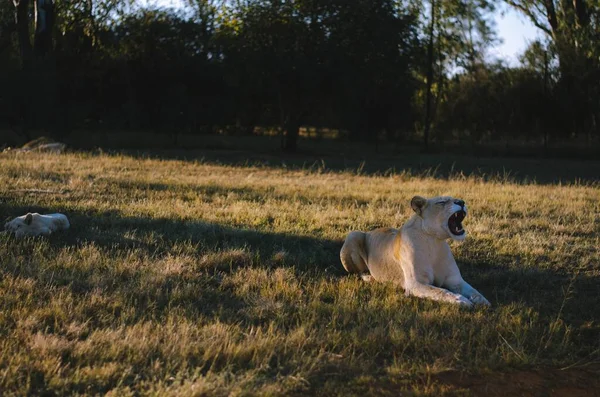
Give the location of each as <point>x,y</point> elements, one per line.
<point>551,14</point>
<point>530,15</point>
<point>582,12</point>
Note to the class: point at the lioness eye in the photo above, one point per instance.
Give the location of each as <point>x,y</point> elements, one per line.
<point>441,202</point>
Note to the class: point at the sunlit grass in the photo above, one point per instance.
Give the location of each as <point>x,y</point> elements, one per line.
<point>189,277</point>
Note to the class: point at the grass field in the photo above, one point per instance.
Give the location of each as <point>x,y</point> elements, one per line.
<point>194,277</point>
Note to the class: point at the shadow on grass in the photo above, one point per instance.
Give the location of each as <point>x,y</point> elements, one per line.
<point>552,293</point>
<point>129,245</point>
<point>158,236</point>
<point>441,166</point>
<point>572,297</point>
<point>250,194</point>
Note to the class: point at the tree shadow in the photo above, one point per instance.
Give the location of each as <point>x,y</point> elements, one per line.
<point>441,166</point>
<point>552,293</point>
<point>570,297</point>
<point>251,194</point>
<point>194,291</point>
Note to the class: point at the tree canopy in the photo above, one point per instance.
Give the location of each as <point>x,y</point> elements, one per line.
<point>370,70</point>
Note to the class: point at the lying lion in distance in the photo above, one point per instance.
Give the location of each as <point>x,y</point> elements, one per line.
<point>416,257</point>
<point>37,225</point>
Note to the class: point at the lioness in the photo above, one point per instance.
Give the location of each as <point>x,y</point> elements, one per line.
<point>416,257</point>
<point>37,225</point>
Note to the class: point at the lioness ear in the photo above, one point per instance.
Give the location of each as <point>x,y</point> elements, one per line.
<point>418,203</point>
<point>28,219</point>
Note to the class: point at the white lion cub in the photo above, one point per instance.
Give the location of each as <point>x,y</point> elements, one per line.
<point>417,256</point>
<point>37,225</point>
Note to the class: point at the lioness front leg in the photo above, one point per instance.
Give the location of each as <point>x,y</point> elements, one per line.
<point>470,293</point>
<point>437,294</point>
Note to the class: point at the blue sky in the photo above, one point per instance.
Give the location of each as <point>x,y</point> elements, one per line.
<point>514,30</point>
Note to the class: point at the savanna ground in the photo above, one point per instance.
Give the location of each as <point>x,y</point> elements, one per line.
<point>207,277</point>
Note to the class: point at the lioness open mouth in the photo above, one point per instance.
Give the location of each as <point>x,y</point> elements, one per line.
<point>455,223</point>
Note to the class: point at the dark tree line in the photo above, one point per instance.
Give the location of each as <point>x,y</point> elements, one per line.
<point>372,70</point>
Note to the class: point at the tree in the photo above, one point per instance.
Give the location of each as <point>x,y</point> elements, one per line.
<point>35,81</point>
<point>44,15</point>
<point>371,51</point>
<point>345,65</point>
<point>458,34</point>
<point>430,67</point>
<point>572,26</point>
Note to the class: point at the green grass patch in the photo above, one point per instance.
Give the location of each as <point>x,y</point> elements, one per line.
<point>186,277</point>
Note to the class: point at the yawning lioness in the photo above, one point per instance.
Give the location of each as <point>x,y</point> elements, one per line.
<point>417,256</point>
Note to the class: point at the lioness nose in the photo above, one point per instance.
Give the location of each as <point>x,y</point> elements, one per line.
<point>459,202</point>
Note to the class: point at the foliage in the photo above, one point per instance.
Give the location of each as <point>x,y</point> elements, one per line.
<point>358,68</point>
<point>572,28</point>
<point>515,102</point>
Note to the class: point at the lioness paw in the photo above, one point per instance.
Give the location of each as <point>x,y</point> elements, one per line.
<point>463,302</point>
<point>367,277</point>
<point>478,299</point>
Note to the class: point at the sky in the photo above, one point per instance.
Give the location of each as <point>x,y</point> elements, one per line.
<point>516,33</point>
<point>514,30</point>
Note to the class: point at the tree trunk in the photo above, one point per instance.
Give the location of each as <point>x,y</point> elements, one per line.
<point>133,117</point>
<point>581,9</point>
<point>545,88</point>
<point>22,21</point>
<point>21,99</point>
<point>45,88</point>
<point>551,15</point>
<point>429,77</point>
<point>38,84</point>
<point>290,140</point>
<point>44,25</point>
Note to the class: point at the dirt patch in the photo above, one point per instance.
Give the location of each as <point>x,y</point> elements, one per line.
<point>572,382</point>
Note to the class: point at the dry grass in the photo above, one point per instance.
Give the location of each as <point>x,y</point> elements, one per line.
<point>193,278</point>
